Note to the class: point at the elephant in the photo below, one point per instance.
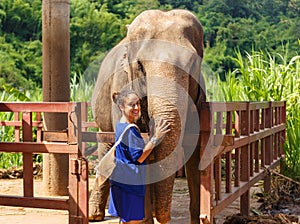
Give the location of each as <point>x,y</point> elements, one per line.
<point>160,58</point>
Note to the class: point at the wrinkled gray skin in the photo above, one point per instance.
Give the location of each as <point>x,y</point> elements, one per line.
<point>160,58</point>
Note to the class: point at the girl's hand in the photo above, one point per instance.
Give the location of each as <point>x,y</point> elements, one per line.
<point>161,128</point>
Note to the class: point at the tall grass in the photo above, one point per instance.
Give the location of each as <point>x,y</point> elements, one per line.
<point>263,77</point>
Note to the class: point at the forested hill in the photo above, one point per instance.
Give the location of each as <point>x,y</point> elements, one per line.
<point>97,25</point>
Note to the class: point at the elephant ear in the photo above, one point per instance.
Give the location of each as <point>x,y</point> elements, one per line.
<point>101,101</point>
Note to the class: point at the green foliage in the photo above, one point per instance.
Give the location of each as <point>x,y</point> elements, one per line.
<point>245,25</point>
<point>292,152</point>
<point>81,90</point>
<point>8,160</point>
<point>94,30</point>
<point>20,62</point>
<point>98,25</point>
<point>184,4</point>
<point>19,96</point>
<point>22,18</point>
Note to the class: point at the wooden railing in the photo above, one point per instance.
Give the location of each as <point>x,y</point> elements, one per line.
<point>246,139</point>
<point>243,138</point>
<point>30,138</point>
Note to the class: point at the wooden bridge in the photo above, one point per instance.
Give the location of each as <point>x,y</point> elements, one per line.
<point>243,138</point>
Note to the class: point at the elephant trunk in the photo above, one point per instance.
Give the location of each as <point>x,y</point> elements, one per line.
<point>168,99</point>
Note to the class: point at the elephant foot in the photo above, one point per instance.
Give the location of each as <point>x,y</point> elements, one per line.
<point>96,218</point>
<point>147,221</point>
<point>95,214</point>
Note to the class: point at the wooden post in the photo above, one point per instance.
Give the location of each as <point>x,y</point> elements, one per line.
<point>245,162</point>
<point>78,181</point>
<point>268,140</point>
<point>268,147</point>
<point>218,164</point>
<point>228,185</point>
<point>237,151</point>
<point>27,156</point>
<point>56,86</point>
<point>205,175</point>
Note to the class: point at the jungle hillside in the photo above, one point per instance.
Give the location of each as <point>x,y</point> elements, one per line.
<point>251,51</point>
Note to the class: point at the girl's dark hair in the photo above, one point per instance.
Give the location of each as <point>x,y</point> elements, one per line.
<point>118,97</point>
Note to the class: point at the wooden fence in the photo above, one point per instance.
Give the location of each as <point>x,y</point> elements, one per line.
<point>244,139</point>
<point>30,138</point>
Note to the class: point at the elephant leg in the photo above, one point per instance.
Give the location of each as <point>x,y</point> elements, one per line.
<point>148,207</point>
<point>163,199</point>
<point>99,194</point>
<point>193,179</point>
<point>98,200</point>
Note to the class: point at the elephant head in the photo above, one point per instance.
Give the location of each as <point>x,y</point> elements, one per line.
<point>160,58</point>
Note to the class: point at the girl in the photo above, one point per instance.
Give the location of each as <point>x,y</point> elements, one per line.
<point>127,200</point>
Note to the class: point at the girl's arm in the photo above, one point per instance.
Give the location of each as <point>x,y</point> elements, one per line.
<point>161,129</point>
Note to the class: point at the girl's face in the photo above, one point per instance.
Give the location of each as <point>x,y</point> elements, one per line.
<point>132,108</point>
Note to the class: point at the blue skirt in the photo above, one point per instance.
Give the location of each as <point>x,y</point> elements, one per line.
<point>125,205</point>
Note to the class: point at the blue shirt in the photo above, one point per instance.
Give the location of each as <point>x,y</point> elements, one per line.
<point>129,174</point>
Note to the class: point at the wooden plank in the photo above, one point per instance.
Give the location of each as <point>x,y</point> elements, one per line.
<point>88,124</point>
<point>278,103</point>
<point>34,202</point>
<point>242,140</point>
<point>27,156</point>
<point>17,129</point>
<point>228,177</point>
<point>57,107</point>
<point>245,163</point>
<point>34,147</point>
<point>256,156</point>
<point>227,106</point>
<point>19,123</point>
<point>269,138</point>
<point>84,118</point>
<point>11,123</point>
<point>73,188</point>
<point>252,146</point>
<point>218,178</point>
<point>258,105</point>
<point>83,202</point>
<point>223,140</point>
<point>39,128</point>
<point>256,120</point>
<point>237,167</point>
<point>205,193</point>
<point>228,198</point>
<point>55,136</point>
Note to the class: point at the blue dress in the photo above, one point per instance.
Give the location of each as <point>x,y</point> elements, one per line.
<point>127,197</point>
